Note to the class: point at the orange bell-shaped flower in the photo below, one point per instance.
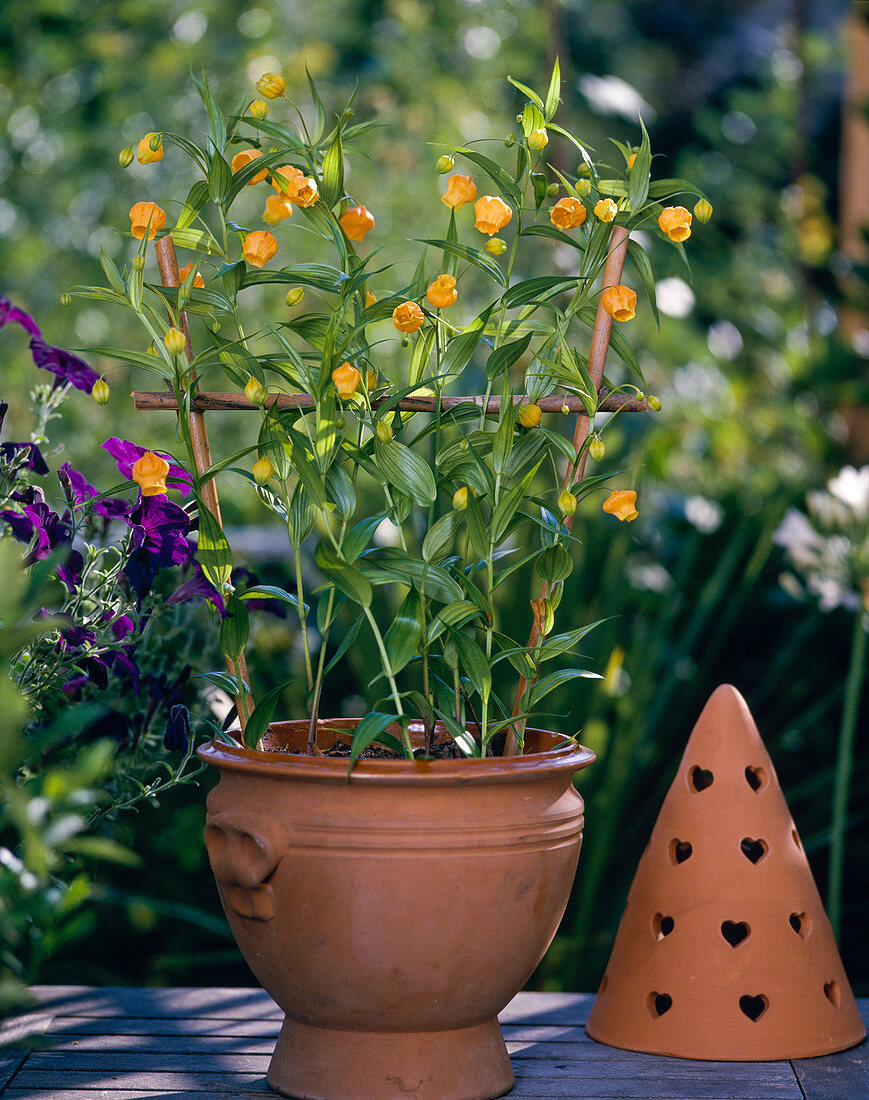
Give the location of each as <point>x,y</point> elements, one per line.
<point>492,214</point>
<point>408,317</point>
<point>621,503</point>
<point>675,221</point>
<point>442,292</point>
<point>143,213</point>
<point>356,222</point>
<point>245,157</point>
<point>567,213</point>
<point>346,379</point>
<point>149,473</point>
<point>460,191</point>
<point>259,247</point>
<point>620,302</point>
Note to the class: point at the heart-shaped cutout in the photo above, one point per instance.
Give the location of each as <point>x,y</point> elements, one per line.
<point>833,993</point>
<point>662,926</point>
<point>735,932</point>
<point>680,850</point>
<point>801,924</point>
<point>700,778</point>
<point>753,850</point>
<point>658,1004</point>
<point>753,1007</point>
<point>756,778</point>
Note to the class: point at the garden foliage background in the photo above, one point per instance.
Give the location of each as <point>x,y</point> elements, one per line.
<point>757,384</point>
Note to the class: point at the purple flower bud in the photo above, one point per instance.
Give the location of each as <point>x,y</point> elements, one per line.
<point>177,735</point>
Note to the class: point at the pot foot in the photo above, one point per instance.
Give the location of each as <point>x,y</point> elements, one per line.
<point>316,1063</point>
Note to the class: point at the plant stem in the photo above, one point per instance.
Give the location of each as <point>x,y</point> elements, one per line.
<point>318,683</point>
<point>844,767</point>
<point>303,616</point>
<point>390,675</point>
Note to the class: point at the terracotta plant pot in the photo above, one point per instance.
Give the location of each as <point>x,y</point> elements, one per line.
<point>393,916</point>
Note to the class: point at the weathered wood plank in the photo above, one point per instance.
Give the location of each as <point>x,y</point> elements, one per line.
<point>254,1092</point>
<point>843,1076</point>
<point>41,1082</point>
<point>241,1003</point>
<point>548,1008</point>
<point>106,1025</point>
<point>635,1088</point>
<point>10,1061</point>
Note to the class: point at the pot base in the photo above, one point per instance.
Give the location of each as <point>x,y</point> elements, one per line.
<point>316,1063</point>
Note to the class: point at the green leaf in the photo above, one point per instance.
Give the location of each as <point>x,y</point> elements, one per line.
<point>222,680</point>
<point>322,276</point>
<point>272,592</point>
<point>116,281</point>
<point>216,125</point>
<point>441,536</point>
<point>372,728</point>
<point>457,614</point>
<point>583,152</point>
<point>553,234</point>
<point>564,643</point>
<point>345,643</point>
<point>507,506</point>
<point>199,240</point>
<point>637,256</point>
<point>402,638</point>
<point>475,256</point>
<point>461,347</point>
<point>504,357</point>
<point>320,124</point>
<point>405,470</point>
<point>477,533</point>
<point>495,172</point>
<point>358,537</point>
<point>219,178</point>
<point>539,289</point>
<point>555,679</point>
<point>533,96</point>
<point>553,94</point>
<point>340,490</point>
<point>425,340</point>
<point>473,663</point>
<point>344,576</point>
<point>638,177</point>
<point>670,188</point>
<point>430,579</point>
<point>213,551</point>
<point>234,628</point>
<point>333,172</point>
<point>262,714</point>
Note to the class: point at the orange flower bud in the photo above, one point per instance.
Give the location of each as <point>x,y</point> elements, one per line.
<point>703,210</point>
<point>346,379</point>
<point>605,210</point>
<point>356,222</point>
<point>408,317</point>
<point>370,298</point>
<point>245,157</point>
<point>184,271</point>
<point>566,502</point>
<point>259,109</point>
<point>529,415</point>
<point>293,184</point>
<point>460,499</point>
<point>538,139</point>
<point>141,214</point>
<point>149,473</point>
<point>675,221</point>
<point>270,85</point>
<point>567,213</point>
<point>460,191</point>
<point>620,302</point>
<point>654,403</point>
<point>495,246</point>
<point>259,247</point>
<point>492,214</point>
<point>145,154</point>
<point>277,208</point>
<point>631,160</point>
<point>442,292</point>
<point>621,503</point>
<point>596,448</point>
<point>125,157</point>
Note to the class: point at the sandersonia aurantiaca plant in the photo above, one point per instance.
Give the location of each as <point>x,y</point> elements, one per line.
<point>363,392</point>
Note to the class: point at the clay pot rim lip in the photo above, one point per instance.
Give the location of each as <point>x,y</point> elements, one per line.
<point>567,756</point>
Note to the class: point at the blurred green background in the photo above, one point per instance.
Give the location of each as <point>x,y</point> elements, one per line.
<point>757,382</point>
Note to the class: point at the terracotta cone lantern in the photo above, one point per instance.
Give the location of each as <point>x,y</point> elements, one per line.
<point>724,951</point>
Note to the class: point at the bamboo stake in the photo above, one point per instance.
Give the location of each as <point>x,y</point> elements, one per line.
<point>237,402</point>
<point>168,265</point>
<point>600,338</point>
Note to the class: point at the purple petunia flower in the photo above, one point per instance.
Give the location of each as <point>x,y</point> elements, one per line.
<point>12,315</point>
<point>79,491</point>
<point>33,459</point>
<point>127,454</point>
<point>159,529</point>
<point>51,533</point>
<point>198,585</point>
<point>65,366</point>
<point>177,735</point>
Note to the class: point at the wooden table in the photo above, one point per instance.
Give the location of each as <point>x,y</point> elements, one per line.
<point>171,1044</point>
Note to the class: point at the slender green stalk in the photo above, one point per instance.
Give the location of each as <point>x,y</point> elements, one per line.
<point>318,683</point>
<point>844,767</point>
<point>303,616</point>
<point>390,675</point>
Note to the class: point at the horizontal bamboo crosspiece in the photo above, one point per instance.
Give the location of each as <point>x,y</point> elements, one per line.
<point>234,402</point>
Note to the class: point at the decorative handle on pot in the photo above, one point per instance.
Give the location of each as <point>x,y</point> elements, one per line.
<point>244,852</point>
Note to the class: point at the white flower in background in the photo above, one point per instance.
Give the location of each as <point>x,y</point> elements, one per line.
<point>705,515</point>
<point>829,548</point>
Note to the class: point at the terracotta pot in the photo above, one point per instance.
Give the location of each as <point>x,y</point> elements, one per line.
<point>393,916</point>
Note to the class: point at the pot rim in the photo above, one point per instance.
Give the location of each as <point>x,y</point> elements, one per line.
<point>567,756</point>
